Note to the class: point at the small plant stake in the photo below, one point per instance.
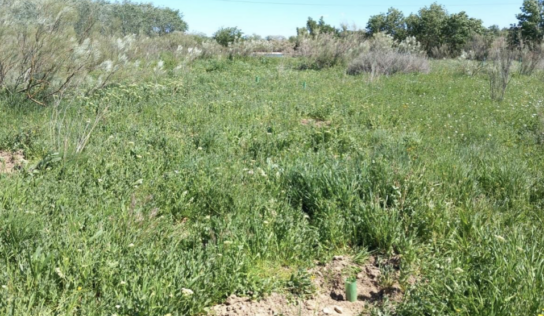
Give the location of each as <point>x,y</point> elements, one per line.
<point>351,290</point>
<point>304,85</point>
<point>257,79</point>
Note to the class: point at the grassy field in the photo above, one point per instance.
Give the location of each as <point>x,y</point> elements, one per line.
<point>219,183</point>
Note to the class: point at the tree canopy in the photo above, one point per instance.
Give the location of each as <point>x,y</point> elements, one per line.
<point>530,25</point>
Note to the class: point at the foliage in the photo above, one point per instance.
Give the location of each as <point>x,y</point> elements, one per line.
<point>441,34</point>
<point>530,23</point>
<point>50,48</point>
<point>327,50</point>
<point>434,27</point>
<point>124,18</point>
<point>387,63</point>
<point>393,23</point>
<point>226,36</point>
<point>313,28</point>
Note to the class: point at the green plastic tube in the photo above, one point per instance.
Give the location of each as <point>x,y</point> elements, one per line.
<point>351,291</point>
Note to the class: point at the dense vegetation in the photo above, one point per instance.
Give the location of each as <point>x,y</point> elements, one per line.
<point>166,172</point>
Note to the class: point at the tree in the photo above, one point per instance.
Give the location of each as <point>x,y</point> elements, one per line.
<point>226,35</point>
<point>125,18</point>
<point>313,28</point>
<point>440,32</point>
<point>393,23</point>
<point>427,26</point>
<point>531,22</point>
<point>458,30</point>
<point>135,18</point>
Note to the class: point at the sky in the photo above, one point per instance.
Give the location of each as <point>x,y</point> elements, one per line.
<point>282,17</point>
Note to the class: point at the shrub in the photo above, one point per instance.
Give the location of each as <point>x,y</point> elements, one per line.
<point>41,57</point>
<point>388,63</point>
<point>499,72</point>
<point>328,50</point>
<point>530,60</point>
<point>478,47</point>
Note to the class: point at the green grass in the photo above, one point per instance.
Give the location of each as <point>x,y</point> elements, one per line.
<point>210,182</point>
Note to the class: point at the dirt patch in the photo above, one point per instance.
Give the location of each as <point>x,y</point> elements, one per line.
<point>317,123</point>
<point>330,298</point>
<point>10,161</point>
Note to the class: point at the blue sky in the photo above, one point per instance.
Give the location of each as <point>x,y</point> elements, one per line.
<point>282,17</point>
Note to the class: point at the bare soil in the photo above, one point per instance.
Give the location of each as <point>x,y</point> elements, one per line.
<point>10,161</point>
<point>330,297</point>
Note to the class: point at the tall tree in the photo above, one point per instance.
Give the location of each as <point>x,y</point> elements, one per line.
<point>427,26</point>
<point>393,23</point>
<point>531,22</point>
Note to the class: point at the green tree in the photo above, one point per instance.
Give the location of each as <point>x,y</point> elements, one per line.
<point>434,28</point>
<point>393,23</point>
<point>531,22</point>
<point>135,18</point>
<point>313,28</point>
<point>226,35</point>
<point>428,25</point>
<point>458,30</point>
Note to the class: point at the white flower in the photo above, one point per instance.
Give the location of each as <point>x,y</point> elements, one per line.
<point>123,283</point>
<point>227,242</point>
<point>131,245</point>
<point>187,292</point>
<point>4,287</point>
<point>117,306</point>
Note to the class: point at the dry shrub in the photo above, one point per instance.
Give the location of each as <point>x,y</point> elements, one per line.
<point>387,57</point>
<point>387,63</point>
<point>531,60</point>
<point>328,50</point>
<point>41,57</point>
<point>500,68</point>
<point>441,52</point>
<point>478,47</point>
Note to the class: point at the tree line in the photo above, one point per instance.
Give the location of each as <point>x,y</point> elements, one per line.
<point>441,33</point>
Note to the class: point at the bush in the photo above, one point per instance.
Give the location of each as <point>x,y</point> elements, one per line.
<point>478,47</point>
<point>530,60</point>
<point>40,56</point>
<point>499,72</point>
<point>388,63</point>
<point>328,50</point>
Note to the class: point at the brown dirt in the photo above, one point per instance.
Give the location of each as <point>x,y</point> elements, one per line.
<point>329,299</point>
<point>317,123</point>
<point>10,161</point>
